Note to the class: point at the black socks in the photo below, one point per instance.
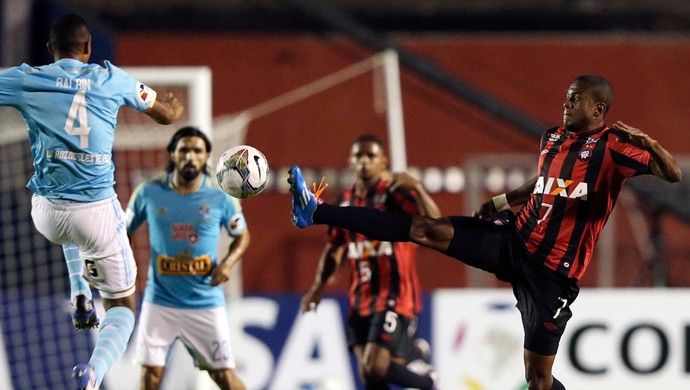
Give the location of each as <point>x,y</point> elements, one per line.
<point>374,224</point>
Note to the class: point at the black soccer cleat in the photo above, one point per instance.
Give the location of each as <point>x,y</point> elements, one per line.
<point>84,313</point>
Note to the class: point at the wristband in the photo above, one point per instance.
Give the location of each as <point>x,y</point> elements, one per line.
<point>501,202</point>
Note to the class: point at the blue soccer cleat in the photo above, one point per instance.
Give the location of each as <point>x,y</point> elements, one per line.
<point>85,377</point>
<point>304,201</point>
<point>83,313</point>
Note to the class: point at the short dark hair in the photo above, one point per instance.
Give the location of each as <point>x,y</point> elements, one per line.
<point>370,138</point>
<point>601,88</point>
<point>68,34</point>
<point>187,131</point>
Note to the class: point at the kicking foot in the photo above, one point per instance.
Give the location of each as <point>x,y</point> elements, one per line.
<point>85,377</point>
<point>304,201</point>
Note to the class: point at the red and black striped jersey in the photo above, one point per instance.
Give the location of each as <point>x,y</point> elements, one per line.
<point>383,274</point>
<point>579,178</point>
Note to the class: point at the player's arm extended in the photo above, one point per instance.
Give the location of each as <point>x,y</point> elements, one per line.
<point>328,263</point>
<point>506,200</point>
<point>166,109</point>
<point>221,273</point>
<point>662,164</point>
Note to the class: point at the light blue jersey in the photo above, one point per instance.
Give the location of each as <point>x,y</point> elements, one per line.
<point>184,231</point>
<point>71,111</point>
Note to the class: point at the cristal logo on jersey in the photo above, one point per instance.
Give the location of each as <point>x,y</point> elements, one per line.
<point>561,187</point>
<point>183,264</point>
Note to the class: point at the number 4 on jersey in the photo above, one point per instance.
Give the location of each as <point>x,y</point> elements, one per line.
<point>78,107</point>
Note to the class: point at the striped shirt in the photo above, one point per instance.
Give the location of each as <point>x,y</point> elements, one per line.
<point>383,274</point>
<point>580,177</point>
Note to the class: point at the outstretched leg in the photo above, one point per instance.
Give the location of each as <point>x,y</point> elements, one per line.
<point>375,224</point>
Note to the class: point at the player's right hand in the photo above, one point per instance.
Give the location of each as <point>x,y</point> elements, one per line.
<point>175,106</point>
<point>166,109</point>
<point>310,301</point>
<point>485,211</point>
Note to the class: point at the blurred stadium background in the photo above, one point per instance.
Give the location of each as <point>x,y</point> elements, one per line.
<point>479,81</point>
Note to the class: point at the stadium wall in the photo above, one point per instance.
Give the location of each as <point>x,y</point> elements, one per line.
<point>532,72</point>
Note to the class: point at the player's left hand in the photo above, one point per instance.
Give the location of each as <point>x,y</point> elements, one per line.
<point>633,136</point>
<point>404,180</point>
<point>220,274</point>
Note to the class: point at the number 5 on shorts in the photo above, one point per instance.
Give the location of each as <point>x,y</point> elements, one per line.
<point>391,322</point>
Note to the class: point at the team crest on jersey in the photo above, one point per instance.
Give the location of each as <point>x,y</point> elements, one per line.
<point>205,211</point>
<point>561,187</point>
<point>146,94</point>
<point>586,151</point>
<point>585,154</point>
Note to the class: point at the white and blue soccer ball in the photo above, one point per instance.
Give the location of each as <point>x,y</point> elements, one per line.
<point>242,171</point>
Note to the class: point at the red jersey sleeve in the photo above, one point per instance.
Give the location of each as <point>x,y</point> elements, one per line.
<point>403,201</point>
<point>630,160</point>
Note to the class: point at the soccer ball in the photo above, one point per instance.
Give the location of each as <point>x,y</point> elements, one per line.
<point>242,171</point>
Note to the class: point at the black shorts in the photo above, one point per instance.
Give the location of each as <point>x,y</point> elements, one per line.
<point>388,329</point>
<point>543,296</point>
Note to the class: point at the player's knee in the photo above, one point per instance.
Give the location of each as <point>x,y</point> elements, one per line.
<point>226,379</point>
<point>375,369</point>
<point>538,380</point>
<point>151,377</point>
<point>421,228</point>
<point>539,383</point>
<point>430,230</point>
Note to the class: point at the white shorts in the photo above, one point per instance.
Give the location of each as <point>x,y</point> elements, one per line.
<point>204,332</point>
<point>98,230</point>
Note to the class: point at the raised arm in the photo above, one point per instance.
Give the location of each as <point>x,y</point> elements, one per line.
<point>166,109</point>
<point>427,206</point>
<point>507,200</point>
<point>663,164</point>
<point>328,264</point>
